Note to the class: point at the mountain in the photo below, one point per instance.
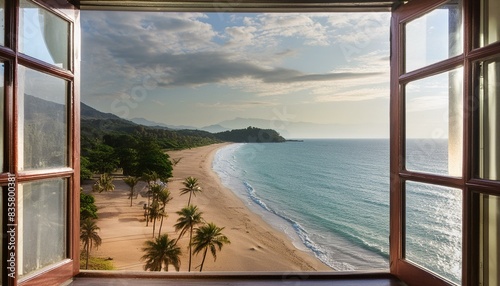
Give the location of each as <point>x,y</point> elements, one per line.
<point>216,128</point>
<point>88,113</point>
<point>95,125</point>
<point>145,122</point>
<point>251,135</point>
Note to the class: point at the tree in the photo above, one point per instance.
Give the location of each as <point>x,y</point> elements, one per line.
<point>104,184</point>
<point>150,158</point>
<point>85,172</point>
<point>154,214</point>
<point>102,158</point>
<point>189,217</point>
<point>190,186</point>
<point>150,178</point>
<point>88,209</point>
<point>131,182</point>
<point>156,189</point>
<point>89,237</point>
<point>163,197</point>
<point>209,236</point>
<point>161,251</point>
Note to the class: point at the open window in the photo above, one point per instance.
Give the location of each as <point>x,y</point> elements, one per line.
<point>39,131</point>
<point>445,66</point>
<point>444,95</point>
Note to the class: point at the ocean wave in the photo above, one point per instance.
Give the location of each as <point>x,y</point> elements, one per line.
<point>301,233</point>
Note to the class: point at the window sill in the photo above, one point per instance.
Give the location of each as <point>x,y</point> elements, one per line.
<point>103,278</point>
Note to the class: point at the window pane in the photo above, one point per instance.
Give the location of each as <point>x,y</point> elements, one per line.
<point>489,243</point>
<point>490,22</point>
<point>434,124</point>
<point>434,37</point>
<point>2,22</point>
<point>434,229</point>
<point>42,221</point>
<point>1,240</point>
<point>2,117</point>
<point>489,120</point>
<point>43,35</point>
<point>43,117</point>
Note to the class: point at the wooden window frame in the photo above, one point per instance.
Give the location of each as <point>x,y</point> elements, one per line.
<point>469,182</point>
<point>62,271</point>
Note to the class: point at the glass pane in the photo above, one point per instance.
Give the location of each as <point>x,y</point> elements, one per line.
<point>489,120</point>
<point>490,22</point>
<point>434,229</point>
<point>2,22</point>
<point>42,224</point>
<point>434,124</point>
<point>2,116</point>
<point>43,35</point>
<point>434,37</point>
<point>489,243</point>
<point>3,189</point>
<point>43,117</point>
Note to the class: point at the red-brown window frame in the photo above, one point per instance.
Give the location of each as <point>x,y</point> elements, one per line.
<point>9,53</point>
<point>468,183</point>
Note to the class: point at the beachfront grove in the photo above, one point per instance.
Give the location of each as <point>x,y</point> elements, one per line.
<point>161,251</point>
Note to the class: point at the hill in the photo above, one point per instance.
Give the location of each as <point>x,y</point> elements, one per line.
<point>250,135</point>
<point>96,124</point>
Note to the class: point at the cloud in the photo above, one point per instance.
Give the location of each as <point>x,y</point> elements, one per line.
<point>122,50</point>
<point>241,105</point>
<point>355,95</point>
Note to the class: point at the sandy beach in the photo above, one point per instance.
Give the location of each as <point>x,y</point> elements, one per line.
<point>255,245</point>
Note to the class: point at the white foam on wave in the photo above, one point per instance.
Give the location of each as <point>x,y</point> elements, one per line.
<point>225,165</point>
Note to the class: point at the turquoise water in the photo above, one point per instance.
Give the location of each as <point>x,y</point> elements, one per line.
<point>331,197</point>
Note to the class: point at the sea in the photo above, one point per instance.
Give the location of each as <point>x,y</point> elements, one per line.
<point>331,198</point>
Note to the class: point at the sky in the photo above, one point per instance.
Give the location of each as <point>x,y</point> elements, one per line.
<point>327,70</point>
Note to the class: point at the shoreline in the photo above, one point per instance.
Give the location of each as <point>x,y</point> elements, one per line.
<point>255,245</point>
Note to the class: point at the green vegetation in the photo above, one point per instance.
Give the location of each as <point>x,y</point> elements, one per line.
<point>104,184</point>
<point>88,209</point>
<point>191,187</point>
<point>189,217</point>
<point>164,197</point>
<point>209,236</point>
<point>161,252</point>
<point>85,172</point>
<point>97,263</point>
<point>131,182</point>
<point>251,135</point>
<point>96,125</point>
<point>89,237</point>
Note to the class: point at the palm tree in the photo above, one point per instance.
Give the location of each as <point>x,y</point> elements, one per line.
<point>154,214</point>
<point>188,218</point>
<point>161,251</point>
<point>131,182</point>
<point>104,183</point>
<point>163,197</point>
<point>190,186</point>
<point>148,178</point>
<point>155,190</point>
<point>89,237</point>
<point>209,236</point>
